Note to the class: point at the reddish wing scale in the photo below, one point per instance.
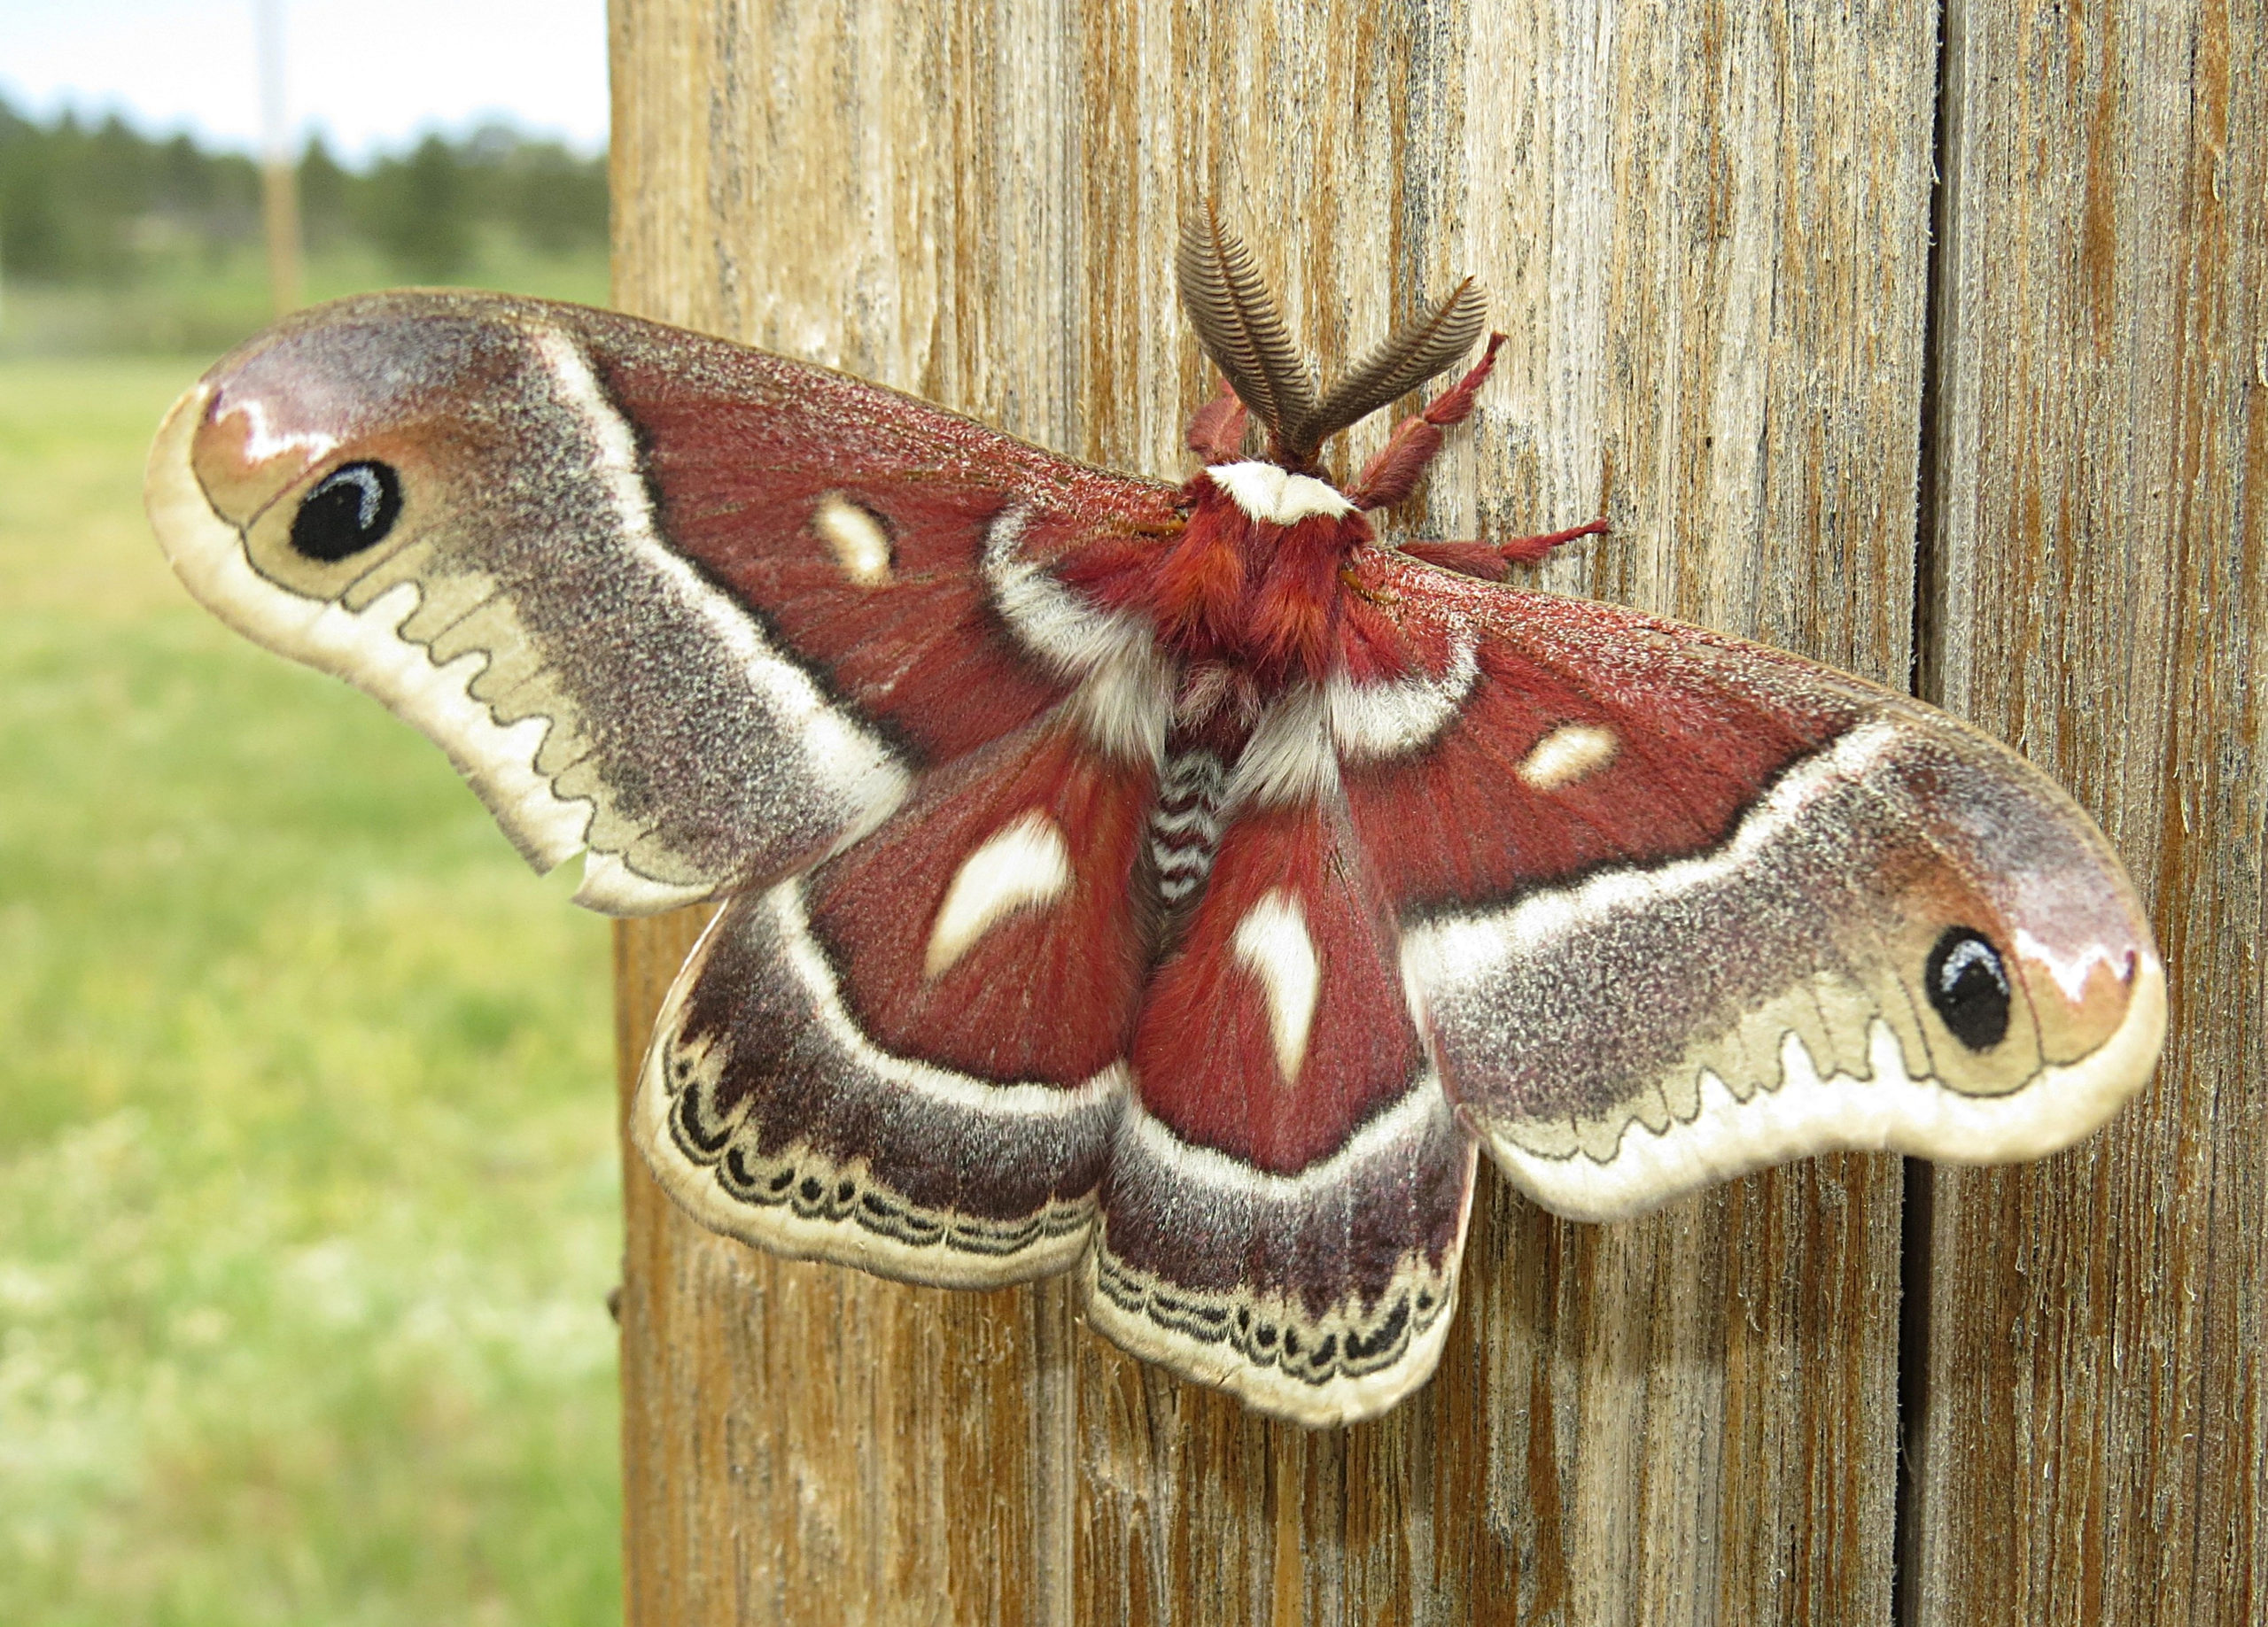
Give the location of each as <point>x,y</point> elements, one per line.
<point>741,447</point>
<point>1701,725</point>
<point>1317,1282</point>
<point>1284,1205</point>
<point>1676,906</point>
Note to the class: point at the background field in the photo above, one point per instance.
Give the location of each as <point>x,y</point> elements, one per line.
<point>308,1201</point>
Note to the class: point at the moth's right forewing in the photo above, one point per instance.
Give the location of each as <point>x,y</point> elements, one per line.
<point>1675,907</point>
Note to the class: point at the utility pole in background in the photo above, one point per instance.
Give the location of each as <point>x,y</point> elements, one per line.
<point>279,181</point>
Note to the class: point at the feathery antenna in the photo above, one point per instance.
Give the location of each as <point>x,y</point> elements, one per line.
<point>1433,343</point>
<point>1239,324</point>
<point>1241,328</point>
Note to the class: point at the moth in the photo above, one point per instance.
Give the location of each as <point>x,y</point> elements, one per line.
<point>1176,885</point>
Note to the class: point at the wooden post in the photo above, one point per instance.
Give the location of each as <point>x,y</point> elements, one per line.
<point>1708,230</point>
<point>2090,1400</point>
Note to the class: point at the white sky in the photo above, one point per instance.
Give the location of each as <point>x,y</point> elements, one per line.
<point>368,72</point>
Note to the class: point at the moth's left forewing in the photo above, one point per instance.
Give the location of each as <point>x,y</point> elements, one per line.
<point>1879,929</point>
<point>434,498</point>
<point>700,613</point>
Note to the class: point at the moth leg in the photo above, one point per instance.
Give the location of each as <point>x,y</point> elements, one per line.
<point>1533,550</point>
<point>1385,598</point>
<point>1491,560</point>
<point>1391,476</point>
<point>1217,429</point>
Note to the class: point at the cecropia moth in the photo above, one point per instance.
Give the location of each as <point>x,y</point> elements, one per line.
<point>1176,885</point>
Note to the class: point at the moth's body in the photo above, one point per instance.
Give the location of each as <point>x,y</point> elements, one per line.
<point>1177,884</point>
<point>1250,600</point>
<point>1253,584</point>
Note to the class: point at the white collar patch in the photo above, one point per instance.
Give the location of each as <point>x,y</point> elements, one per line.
<point>1267,492</point>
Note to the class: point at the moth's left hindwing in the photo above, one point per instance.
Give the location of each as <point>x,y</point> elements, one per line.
<point>698,612</point>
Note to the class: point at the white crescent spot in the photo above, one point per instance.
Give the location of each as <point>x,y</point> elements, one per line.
<point>1396,718</point>
<point>860,545</point>
<point>1272,941</point>
<point>1571,752</point>
<point>1026,863</point>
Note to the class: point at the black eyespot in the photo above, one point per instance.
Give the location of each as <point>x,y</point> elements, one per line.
<point>1968,988</point>
<point>351,509</point>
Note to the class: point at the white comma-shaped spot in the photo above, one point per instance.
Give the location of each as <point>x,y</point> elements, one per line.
<point>1024,865</point>
<point>1272,942</point>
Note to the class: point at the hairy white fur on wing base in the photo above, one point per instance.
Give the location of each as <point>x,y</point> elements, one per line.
<point>1122,700</point>
<point>1400,716</point>
<point>1124,705</point>
<point>1289,758</point>
<point>1806,1114</point>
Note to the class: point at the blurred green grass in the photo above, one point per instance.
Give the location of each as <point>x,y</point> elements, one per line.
<point>200,304</point>
<point>308,1198</point>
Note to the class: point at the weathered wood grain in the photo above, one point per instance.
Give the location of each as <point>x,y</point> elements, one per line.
<point>1706,229</point>
<point>809,1445</point>
<point>2091,1442</point>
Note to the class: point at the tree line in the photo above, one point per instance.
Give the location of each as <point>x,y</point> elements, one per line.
<point>97,201</point>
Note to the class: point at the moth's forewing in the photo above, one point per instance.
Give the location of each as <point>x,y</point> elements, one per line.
<point>1770,912</point>
<point>701,611</point>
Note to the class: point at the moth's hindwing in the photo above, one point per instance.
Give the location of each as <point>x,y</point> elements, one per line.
<point>913,1058</point>
<point>1675,907</point>
<point>1285,1201</point>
